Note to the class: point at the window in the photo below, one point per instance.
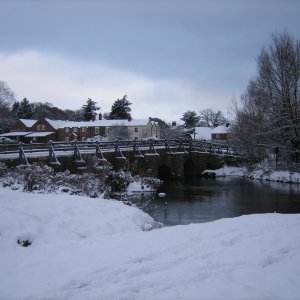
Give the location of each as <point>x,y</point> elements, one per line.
<point>39,127</point>
<point>43,127</point>
<point>136,129</point>
<point>83,129</point>
<point>96,130</point>
<point>67,139</point>
<point>217,135</point>
<point>75,129</point>
<point>83,138</point>
<point>136,138</point>
<point>67,129</point>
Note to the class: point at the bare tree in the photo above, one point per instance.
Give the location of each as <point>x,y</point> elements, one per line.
<point>7,97</point>
<point>270,107</point>
<point>209,118</point>
<point>118,132</point>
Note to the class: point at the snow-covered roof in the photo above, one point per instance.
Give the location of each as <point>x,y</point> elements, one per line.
<point>202,133</point>
<point>98,123</point>
<point>28,122</point>
<point>220,129</point>
<point>39,134</point>
<point>16,133</point>
<point>62,124</point>
<point>56,123</point>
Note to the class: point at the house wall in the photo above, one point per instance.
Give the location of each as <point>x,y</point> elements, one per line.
<point>219,136</point>
<point>137,132</point>
<point>19,126</point>
<point>43,126</point>
<point>70,133</point>
<point>141,132</point>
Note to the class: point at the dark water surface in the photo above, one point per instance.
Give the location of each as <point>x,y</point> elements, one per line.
<point>198,200</point>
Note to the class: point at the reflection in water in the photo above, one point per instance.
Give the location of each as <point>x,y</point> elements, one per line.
<point>196,200</point>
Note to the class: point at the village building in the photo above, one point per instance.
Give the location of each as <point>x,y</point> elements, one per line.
<point>44,130</point>
<point>221,133</point>
<point>201,133</point>
<point>20,128</point>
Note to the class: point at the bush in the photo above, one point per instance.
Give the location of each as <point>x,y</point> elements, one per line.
<point>118,181</point>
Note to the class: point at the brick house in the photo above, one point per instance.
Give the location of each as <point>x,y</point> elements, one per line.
<point>19,129</point>
<point>44,130</point>
<point>221,133</point>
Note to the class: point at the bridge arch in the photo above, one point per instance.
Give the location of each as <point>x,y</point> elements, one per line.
<point>189,168</point>
<point>164,172</point>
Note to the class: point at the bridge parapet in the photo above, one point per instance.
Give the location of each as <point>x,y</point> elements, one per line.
<point>149,153</point>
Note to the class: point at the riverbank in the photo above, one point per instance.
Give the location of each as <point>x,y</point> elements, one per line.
<point>259,172</point>
<point>84,248</point>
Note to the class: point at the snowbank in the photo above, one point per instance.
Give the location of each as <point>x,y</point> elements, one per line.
<point>280,176</point>
<point>54,219</point>
<point>86,248</point>
<point>258,173</point>
<point>138,187</point>
<point>226,171</point>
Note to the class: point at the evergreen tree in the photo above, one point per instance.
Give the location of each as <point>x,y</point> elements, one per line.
<point>120,109</point>
<point>25,110</point>
<point>15,109</point>
<point>190,119</point>
<point>88,109</point>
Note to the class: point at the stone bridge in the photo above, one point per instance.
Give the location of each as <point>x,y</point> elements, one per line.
<point>165,159</point>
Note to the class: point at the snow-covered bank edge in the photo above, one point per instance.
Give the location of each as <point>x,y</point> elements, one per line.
<point>259,172</point>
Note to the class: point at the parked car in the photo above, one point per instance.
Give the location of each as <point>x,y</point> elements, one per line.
<point>5,140</point>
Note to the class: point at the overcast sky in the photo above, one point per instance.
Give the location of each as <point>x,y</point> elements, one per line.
<point>167,56</point>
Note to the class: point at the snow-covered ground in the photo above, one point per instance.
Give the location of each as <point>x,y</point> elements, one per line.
<point>258,173</point>
<point>83,248</point>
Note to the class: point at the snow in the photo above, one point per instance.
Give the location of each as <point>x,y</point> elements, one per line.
<point>56,124</point>
<point>28,122</point>
<point>260,172</point>
<point>138,187</point>
<point>271,175</point>
<point>15,133</point>
<point>39,134</point>
<point>86,248</point>
<point>220,129</point>
<point>202,133</point>
<point>228,171</point>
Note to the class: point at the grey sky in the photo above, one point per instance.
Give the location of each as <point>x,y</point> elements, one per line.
<point>167,56</point>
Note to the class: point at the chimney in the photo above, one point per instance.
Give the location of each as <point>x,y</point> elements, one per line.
<point>100,116</point>
<point>227,124</point>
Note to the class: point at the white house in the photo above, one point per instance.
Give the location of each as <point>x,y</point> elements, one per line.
<point>202,133</point>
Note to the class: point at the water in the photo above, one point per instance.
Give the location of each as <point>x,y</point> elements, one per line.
<point>197,200</point>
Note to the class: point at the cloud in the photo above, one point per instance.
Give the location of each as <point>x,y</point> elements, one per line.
<point>67,83</point>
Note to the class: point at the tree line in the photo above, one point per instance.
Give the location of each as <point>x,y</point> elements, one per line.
<point>11,109</point>
<point>205,118</point>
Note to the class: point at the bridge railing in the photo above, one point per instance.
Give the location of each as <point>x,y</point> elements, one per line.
<point>171,145</point>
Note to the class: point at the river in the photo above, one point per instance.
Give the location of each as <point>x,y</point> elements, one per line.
<point>198,200</point>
